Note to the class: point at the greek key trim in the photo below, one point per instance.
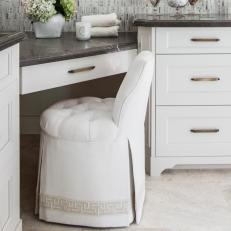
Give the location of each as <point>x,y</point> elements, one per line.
<point>93,208</point>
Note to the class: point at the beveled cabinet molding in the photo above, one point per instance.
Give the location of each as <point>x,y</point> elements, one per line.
<point>190,109</point>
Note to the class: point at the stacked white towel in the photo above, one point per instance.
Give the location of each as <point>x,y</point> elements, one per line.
<point>105,25</point>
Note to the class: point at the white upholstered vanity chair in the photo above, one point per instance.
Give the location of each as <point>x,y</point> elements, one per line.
<point>92,168</point>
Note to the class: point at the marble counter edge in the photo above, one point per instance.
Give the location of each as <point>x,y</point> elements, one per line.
<point>210,20</point>
<point>143,23</point>
<point>105,46</point>
<point>12,39</point>
<point>88,53</point>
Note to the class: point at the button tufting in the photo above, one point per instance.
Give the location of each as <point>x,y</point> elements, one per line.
<point>80,119</point>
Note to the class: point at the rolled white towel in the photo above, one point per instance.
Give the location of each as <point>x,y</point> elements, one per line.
<point>105,31</point>
<point>102,20</point>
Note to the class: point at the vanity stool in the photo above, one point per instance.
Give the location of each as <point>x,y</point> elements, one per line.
<point>87,176</point>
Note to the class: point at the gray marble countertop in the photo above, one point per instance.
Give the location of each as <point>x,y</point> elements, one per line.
<point>186,21</point>
<point>37,51</point>
<point>8,39</point>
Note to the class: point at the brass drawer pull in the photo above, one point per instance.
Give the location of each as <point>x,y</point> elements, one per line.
<point>205,39</point>
<point>205,79</point>
<point>205,130</point>
<point>84,69</point>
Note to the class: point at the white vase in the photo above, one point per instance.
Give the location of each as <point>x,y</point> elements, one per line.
<point>51,29</point>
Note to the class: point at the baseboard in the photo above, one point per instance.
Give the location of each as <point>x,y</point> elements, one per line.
<point>19,226</point>
<point>204,166</point>
<point>159,164</point>
<point>29,124</point>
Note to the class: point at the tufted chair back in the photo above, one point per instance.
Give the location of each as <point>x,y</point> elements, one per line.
<point>131,100</point>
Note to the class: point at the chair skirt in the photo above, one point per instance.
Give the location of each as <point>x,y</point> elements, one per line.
<point>85,183</point>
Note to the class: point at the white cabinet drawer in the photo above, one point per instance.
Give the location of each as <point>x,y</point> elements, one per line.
<point>193,79</point>
<point>6,67</point>
<point>46,76</point>
<point>193,131</point>
<point>193,40</point>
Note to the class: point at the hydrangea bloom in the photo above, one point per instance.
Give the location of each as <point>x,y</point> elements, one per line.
<point>40,10</point>
<point>43,10</point>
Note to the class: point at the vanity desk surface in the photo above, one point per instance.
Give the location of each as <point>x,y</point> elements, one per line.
<point>8,39</point>
<point>212,20</point>
<point>38,51</point>
<point>51,63</point>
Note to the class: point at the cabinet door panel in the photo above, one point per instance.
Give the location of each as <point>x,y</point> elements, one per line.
<point>5,204</point>
<point>9,196</point>
<point>9,140</point>
<point>6,200</point>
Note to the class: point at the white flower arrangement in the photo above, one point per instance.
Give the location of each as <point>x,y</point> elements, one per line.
<point>43,10</point>
<point>39,10</point>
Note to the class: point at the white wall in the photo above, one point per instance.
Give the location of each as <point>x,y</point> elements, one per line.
<point>13,18</point>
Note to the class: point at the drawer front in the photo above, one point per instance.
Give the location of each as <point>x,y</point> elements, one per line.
<point>193,131</point>
<point>193,80</point>
<point>9,71</point>
<point>193,40</point>
<point>6,67</point>
<point>46,76</point>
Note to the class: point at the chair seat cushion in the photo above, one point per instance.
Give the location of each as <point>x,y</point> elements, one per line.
<point>85,119</point>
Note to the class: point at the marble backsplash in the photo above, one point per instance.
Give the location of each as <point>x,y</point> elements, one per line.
<point>12,16</point>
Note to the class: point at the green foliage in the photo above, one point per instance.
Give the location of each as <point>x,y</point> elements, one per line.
<point>66,7</point>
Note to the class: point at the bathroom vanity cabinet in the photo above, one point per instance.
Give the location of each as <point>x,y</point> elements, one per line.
<point>190,105</point>
<point>9,134</point>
